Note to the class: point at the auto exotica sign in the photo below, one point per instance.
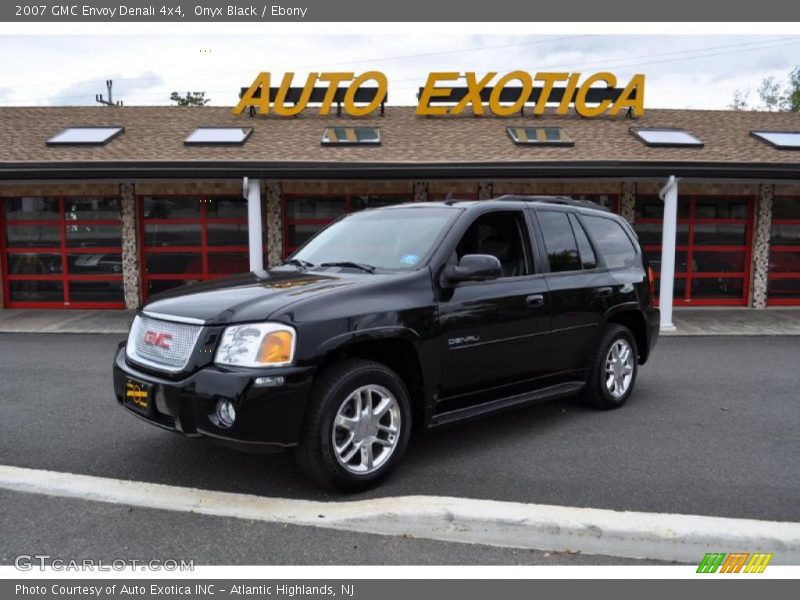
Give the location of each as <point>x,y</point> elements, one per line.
<point>449,93</point>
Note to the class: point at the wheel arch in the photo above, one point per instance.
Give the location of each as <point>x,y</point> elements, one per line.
<point>634,320</point>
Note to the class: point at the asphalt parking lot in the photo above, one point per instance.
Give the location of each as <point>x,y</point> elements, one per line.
<point>711,430</point>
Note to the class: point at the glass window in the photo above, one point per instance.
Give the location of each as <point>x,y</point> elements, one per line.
<point>721,208</point>
<point>33,235</point>
<point>562,249</point>
<point>299,234</point>
<point>784,262</point>
<point>652,207</point>
<point>678,288</point>
<point>316,208</point>
<point>29,263</point>
<point>228,263</point>
<point>227,234</point>
<point>588,259</point>
<point>784,288</point>
<point>156,286</point>
<point>218,135</point>
<point>362,202</point>
<point>94,264</point>
<point>539,136</point>
<point>666,136</point>
<point>86,236</point>
<point>718,262</point>
<point>32,209</point>
<point>96,291</point>
<point>779,139</point>
<point>393,239</point>
<point>344,136</point>
<point>87,209</point>
<point>499,235</point>
<point>172,234</point>
<point>613,243</point>
<point>172,263</point>
<point>720,234</point>
<point>785,234</point>
<point>717,288</point>
<point>36,291</point>
<point>650,233</point>
<point>654,260</point>
<point>171,208</point>
<point>85,136</point>
<point>785,207</point>
<point>226,208</point>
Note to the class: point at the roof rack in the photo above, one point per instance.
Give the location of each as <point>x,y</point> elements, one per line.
<point>564,200</point>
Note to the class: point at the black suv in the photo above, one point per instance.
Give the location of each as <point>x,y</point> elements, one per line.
<point>417,315</point>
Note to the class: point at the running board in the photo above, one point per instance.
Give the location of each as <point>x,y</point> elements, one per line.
<point>471,412</point>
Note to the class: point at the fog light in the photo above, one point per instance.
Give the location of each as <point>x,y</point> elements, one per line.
<point>273,381</point>
<point>226,413</point>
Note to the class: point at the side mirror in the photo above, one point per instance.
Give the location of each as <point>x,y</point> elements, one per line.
<point>473,267</point>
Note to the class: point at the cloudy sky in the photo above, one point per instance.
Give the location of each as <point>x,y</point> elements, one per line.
<point>698,71</point>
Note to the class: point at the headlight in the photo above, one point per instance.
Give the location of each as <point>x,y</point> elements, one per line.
<point>256,345</point>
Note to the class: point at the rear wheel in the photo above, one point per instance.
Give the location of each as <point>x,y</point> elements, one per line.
<point>614,371</point>
<point>357,426</point>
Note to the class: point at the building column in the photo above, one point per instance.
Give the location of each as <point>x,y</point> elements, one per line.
<point>485,190</point>
<point>627,201</point>
<point>420,191</point>
<point>255,237</point>
<point>131,275</point>
<point>760,262</point>
<point>669,194</point>
<point>274,223</point>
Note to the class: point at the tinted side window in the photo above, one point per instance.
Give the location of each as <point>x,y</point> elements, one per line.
<point>562,249</point>
<point>611,241</point>
<point>587,254</point>
<point>501,235</point>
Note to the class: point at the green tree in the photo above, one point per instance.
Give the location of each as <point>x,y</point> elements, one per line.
<point>771,94</point>
<point>740,100</point>
<point>190,99</point>
<point>793,93</point>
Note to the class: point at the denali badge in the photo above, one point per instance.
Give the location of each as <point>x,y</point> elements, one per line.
<point>156,338</point>
<point>467,339</point>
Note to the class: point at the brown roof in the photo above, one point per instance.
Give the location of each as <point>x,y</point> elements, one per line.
<point>156,134</point>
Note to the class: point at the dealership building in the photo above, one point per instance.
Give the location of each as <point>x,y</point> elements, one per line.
<point>102,207</point>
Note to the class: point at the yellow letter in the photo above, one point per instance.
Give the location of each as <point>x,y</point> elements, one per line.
<point>549,80</point>
<point>334,80</point>
<point>279,105</point>
<point>431,91</point>
<point>580,98</point>
<point>494,99</point>
<point>474,88</point>
<point>572,83</point>
<point>349,96</point>
<point>260,82</point>
<point>624,101</point>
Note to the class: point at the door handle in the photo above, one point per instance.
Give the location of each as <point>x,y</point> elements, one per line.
<point>603,292</point>
<point>535,300</point>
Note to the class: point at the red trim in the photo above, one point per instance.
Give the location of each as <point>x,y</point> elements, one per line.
<point>691,249</point>
<point>203,249</point>
<point>63,249</point>
<point>785,275</point>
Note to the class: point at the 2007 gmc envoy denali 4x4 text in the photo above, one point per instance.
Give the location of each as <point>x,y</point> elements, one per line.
<point>415,315</point>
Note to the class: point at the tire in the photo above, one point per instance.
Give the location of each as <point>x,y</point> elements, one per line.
<point>338,392</point>
<point>602,393</point>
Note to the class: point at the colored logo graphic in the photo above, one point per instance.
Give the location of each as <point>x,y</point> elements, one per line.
<point>736,562</point>
<point>136,394</point>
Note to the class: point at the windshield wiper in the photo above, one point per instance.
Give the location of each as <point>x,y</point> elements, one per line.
<point>298,263</point>
<point>353,265</point>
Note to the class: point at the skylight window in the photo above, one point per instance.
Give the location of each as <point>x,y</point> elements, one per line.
<point>85,136</point>
<point>784,140</point>
<point>218,136</point>
<point>539,136</point>
<point>345,136</point>
<point>666,137</point>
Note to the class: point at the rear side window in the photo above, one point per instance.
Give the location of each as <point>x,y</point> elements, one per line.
<point>559,241</point>
<point>611,241</point>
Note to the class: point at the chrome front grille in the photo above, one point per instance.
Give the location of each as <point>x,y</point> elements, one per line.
<point>163,344</point>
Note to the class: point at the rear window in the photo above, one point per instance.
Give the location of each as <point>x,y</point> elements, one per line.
<point>611,241</point>
<point>559,241</point>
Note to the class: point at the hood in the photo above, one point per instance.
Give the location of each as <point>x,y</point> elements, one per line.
<point>251,296</point>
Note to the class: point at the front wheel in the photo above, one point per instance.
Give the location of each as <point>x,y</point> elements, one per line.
<point>614,370</point>
<point>357,426</point>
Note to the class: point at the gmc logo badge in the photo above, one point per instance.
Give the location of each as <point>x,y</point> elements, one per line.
<point>155,338</point>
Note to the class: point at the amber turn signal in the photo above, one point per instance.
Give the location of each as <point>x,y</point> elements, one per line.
<point>276,348</point>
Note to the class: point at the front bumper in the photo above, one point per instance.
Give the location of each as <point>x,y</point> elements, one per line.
<point>267,418</point>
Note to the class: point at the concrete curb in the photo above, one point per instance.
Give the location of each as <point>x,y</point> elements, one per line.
<point>671,537</point>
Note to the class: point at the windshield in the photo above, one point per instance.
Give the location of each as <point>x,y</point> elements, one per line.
<point>388,239</point>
